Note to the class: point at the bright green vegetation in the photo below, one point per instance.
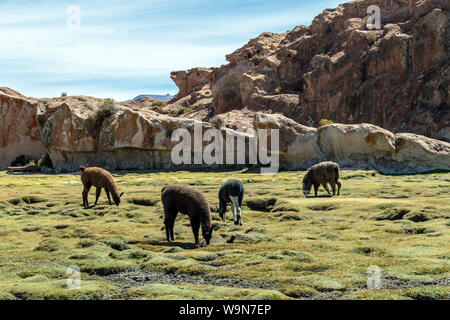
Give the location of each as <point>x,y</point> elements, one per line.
<point>289,246</point>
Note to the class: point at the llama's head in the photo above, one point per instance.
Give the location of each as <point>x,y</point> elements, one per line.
<point>117,199</point>
<point>207,233</point>
<point>307,185</point>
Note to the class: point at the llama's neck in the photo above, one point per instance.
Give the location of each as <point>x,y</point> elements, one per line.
<point>112,187</point>
<point>206,221</point>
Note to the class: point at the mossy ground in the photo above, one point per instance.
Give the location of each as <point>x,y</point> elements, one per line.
<point>289,246</point>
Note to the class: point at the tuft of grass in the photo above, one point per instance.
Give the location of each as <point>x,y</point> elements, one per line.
<point>48,245</point>
<point>392,214</point>
<point>143,202</point>
<point>257,59</point>
<point>284,205</point>
<point>432,293</point>
<point>159,104</point>
<point>323,207</point>
<point>85,243</point>
<point>324,122</point>
<point>189,291</point>
<point>107,109</point>
<point>298,291</point>
<point>45,161</point>
<point>420,216</point>
<point>264,204</point>
<point>27,200</point>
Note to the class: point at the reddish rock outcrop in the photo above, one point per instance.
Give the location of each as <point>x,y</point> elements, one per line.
<point>76,131</point>
<point>190,81</point>
<point>19,131</point>
<point>397,77</point>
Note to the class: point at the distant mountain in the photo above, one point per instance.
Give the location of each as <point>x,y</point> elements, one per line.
<point>166,97</point>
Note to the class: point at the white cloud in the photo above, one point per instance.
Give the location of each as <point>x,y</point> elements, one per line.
<point>129,41</point>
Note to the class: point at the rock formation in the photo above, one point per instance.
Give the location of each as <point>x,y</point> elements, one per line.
<point>76,131</point>
<point>19,132</point>
<point>397,77</point>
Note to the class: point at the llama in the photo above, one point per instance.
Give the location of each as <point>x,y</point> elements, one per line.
<point>176,198</point>
<point>322,174</point>
<point>99,178</point>
<point>231,191</point>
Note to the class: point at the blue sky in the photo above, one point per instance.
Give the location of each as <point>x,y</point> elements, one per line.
<point>127,48</point>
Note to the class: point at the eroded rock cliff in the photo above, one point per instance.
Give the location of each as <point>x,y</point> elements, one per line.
<point>397,77</point>
<point>19,132</point>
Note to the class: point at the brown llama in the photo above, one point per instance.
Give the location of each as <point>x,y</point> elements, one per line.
<point>99,178</point>
<point>322,174</point>
<point>176,198</point>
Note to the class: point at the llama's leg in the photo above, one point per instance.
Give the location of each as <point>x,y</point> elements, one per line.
<point>172,234</point>
<point>223,209</point>
<point>325,185</point>
<point>237,210</point>
<point>85,196</point>
<point>316,188</point>
<point>339,184</point>
<point>240,198</point>
<point>234,208</point>
<point>195,224</point>
<point>109,197</point>
<point>98,191</point>
<point>239,216</point>
<point>333,187</point>
<point>169,223</point>
<point>170,215</point>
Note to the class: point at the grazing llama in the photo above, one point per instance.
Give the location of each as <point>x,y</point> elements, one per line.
<point>231,191</point>
<point>99,178</point>
<point>322,174</point>
<point>176,198</point>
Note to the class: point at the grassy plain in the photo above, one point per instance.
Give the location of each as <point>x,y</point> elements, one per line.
<point>289,247</point>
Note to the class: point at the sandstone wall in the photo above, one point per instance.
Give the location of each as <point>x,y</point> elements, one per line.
<point>140,138</point>
<point>19,131</point>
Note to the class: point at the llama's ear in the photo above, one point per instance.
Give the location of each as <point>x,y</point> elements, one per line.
<point>121,195</point>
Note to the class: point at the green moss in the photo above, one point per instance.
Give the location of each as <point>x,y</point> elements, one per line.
<point>392,214</point>
<point>325,254</point>
<point>284,205</point>
<point>48,245</point>
<point>189,291</point>
<point>143,202</point>
<point>261,203</point>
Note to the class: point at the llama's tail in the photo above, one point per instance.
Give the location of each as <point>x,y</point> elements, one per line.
<point>336,173</point>
<point>82,168</point>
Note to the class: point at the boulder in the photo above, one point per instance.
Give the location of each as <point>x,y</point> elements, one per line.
<point>415,153</point>
<point>19,131</point>
<point>362,146</point>
<point>298,144</point>
<point>128,137</point>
